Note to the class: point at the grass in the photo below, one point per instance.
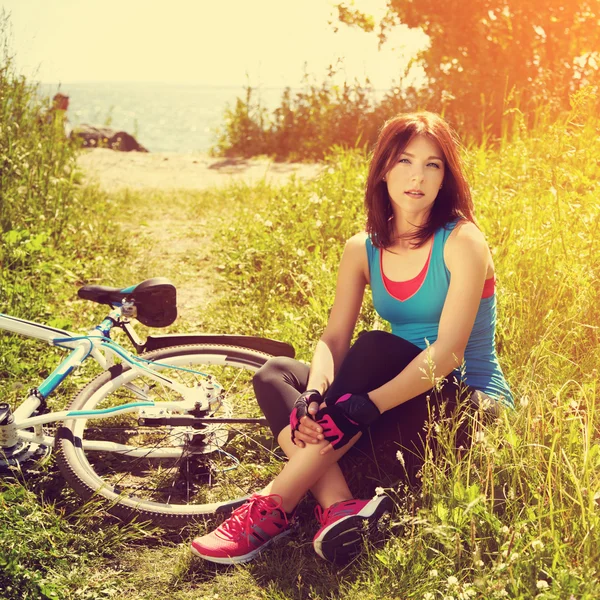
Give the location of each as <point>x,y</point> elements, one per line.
<point>517,516</point>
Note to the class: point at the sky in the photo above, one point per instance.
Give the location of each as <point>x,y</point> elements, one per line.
<point>210,42</point>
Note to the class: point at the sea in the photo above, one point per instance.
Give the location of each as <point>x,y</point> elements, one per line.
<point>162,117</point>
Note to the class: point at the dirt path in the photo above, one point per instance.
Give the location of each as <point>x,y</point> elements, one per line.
<point>169,171</point>
<point>167,219</point>
<point>167,240</point>
<point>167,216</point>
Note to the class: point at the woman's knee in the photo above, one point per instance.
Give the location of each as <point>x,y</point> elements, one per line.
<point>369,340</point>
<point>276,369</point>
<point>376,341</point>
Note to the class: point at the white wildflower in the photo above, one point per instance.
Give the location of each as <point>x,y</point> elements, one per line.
<point>433,573</point>
<point>428,596</point>
<point>268,223</point>
<point>318,223</point>
<point>524,401</point>
<point>479,437</point>
<point>505,529</point>
<point>514,556</point>
<point>485,402</point>
<point>379,491</point>
<point>400,458</point>
<point>541,584</point>
<point>452,580</point>
<point>537,545</point>
<point>301,252</point>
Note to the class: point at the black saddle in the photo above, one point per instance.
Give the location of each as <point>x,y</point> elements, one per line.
<point>155,299</point>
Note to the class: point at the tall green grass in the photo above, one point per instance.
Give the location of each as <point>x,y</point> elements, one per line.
<point>54,235</point>
<point>49,225</point>
<point>518,515</point>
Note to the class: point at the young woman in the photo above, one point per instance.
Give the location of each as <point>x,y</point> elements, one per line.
<point>432,277</point>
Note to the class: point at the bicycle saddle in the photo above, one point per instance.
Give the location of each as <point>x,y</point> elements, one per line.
<point>155,299</point>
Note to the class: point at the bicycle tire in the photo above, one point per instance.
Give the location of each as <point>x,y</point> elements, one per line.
<point>131,488</point>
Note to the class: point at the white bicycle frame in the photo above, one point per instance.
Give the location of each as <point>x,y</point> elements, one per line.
<point>103,350</point>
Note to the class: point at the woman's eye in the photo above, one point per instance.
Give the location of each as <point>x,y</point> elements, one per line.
<point>434,165</point>
<point>404,160</point>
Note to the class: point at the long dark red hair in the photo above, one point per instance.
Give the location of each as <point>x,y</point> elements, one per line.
<point>454,198</point>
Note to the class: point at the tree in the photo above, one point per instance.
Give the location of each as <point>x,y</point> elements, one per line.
<point>488,55</point>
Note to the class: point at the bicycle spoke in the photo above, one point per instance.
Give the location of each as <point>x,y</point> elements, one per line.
<point>201,465</point>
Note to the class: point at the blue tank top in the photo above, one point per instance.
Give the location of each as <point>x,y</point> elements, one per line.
<point>417,319</point>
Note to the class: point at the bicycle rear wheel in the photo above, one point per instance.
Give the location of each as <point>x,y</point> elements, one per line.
<point>171,473</point>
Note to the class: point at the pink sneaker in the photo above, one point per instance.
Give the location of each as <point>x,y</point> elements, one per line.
<point>249,529</point>
<point>343,523</point>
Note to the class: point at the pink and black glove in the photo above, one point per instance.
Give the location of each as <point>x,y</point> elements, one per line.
<point>343,418</point>
<point>301,409</point>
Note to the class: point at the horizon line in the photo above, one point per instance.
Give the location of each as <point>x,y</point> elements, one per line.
<point>300,86</point>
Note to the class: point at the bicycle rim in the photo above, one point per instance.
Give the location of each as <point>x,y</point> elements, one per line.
<point>212,468</point>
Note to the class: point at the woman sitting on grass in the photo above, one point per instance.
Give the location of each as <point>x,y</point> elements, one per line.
<point>432,277</point>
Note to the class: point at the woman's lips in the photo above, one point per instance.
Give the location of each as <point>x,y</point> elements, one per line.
<point>414,193</point>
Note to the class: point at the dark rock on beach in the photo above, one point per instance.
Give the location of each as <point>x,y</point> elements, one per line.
<point>106,137</point>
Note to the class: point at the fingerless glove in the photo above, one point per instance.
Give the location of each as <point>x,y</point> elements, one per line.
<point>301,408</point>
<point>343,418</point>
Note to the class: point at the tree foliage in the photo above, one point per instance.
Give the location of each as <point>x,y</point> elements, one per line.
<point>489,55</point>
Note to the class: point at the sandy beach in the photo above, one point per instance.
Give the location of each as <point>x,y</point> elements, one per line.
<point>162,171</point>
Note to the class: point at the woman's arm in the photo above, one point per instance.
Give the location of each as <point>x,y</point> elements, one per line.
<point>353,275</point>
<point>335,341</point>
<point>467,259</point>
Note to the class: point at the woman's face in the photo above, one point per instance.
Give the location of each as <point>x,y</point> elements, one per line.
<point>414,181</point>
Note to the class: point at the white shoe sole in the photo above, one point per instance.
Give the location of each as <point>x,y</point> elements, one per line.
<point>234,560</point>
<point>342,539</point>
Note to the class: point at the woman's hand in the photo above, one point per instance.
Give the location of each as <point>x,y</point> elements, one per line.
<point>304,428</point>
<point>344,418</point>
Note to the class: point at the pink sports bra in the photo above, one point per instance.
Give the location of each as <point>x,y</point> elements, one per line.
<point>403,290</point>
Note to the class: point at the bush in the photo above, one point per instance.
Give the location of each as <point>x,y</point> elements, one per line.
<point>307,124</point>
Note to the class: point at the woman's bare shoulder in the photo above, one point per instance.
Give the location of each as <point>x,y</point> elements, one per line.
<point>358,240</point>
<point>466,240</point>
<point>466,233</point>
<point>355,253</point>
<point>356,247</point>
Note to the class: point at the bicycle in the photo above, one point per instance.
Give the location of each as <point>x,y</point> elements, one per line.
<point>167,435</point>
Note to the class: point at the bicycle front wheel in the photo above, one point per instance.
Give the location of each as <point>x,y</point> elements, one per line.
<point>170,471</point>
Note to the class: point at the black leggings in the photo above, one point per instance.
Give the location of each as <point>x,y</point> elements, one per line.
<point>374,359</point>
